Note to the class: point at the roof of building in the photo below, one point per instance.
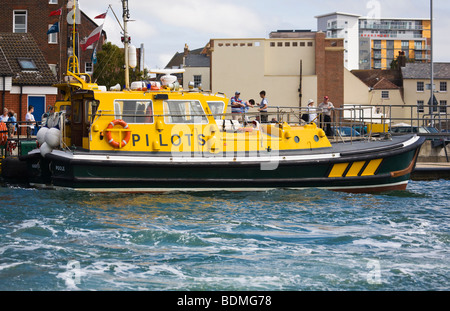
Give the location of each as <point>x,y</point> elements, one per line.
<point>197,60</point>
<point>380,79</point>
<point>5,70</point>
<point>423,71</point>
<point>337,13</point>
<point>177,59</point>
<point>16,47</point>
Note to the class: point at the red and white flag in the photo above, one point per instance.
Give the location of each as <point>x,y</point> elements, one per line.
<point>100,16</point>
<point>93,37</point>
<point>56,13</point>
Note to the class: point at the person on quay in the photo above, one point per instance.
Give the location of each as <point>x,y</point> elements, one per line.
<point>31,122</point>
<point>4,117</point>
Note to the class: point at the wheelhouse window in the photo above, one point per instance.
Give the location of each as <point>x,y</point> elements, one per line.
<point>184,112</point>
<point>134,111</point>
<point>91,107</point>
<point>217,109</point>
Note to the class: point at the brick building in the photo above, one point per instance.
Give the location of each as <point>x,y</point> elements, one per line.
<point>25,77</point>
<point>33,17</point>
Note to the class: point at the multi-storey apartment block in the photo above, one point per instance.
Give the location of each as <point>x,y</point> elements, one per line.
<point>374,43</point>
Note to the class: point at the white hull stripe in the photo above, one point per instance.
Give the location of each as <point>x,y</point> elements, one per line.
<point>275,158</point>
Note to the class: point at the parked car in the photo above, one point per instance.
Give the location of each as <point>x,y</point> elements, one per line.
<point>405,129</point>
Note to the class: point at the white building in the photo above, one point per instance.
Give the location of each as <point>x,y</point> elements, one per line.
<point>346,26</point>
<point>373,43</point>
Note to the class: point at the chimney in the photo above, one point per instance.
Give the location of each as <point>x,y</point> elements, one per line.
<point>401,59</point>
<point>186,50</point>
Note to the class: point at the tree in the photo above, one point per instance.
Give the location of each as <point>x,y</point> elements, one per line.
<point>110,67</point>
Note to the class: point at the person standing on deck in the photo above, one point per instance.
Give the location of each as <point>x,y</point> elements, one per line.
<point>325,118</point>
<point>237,106</point>
<point>263,107</point>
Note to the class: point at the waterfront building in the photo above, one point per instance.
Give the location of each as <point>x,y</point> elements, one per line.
<point>25,77</point>
<point>417,89</point>
<point>33,17</point>
<point>373,43</point>
<point>292,66</point>
<point>197,65</point>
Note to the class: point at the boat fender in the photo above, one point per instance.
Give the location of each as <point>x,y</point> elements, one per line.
<point>108,135</point>
<point>45,149</point>
<point>321,133</point>
<point>3,134</point>
<point>40,136</point>
<point>53,138</point>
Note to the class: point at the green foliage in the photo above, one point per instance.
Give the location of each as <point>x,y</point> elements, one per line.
<point>110,67</point>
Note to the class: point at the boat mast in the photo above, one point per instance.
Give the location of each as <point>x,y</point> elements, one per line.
<point>126,17</point>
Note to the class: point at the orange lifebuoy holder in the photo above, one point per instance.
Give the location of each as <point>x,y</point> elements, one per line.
<point>110,129</point>
<point>3,134</point>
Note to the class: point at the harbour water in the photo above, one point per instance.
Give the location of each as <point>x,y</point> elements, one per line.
<point>281,240</point>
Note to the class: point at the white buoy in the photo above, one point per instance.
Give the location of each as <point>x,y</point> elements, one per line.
<point>53,138</point>
<point>40,136</point>
<point>45,149</point>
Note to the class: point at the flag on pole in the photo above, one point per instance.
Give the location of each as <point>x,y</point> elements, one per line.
<point>94,56</point>
<point>93,37</point>
<point>54,28</point>
<point>100,16</point>
<point>56,13</point>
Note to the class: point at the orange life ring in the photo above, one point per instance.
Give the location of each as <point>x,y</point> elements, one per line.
<point>3,134</point>
<point>111,141</point>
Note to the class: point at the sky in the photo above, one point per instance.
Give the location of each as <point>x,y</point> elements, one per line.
<point>164,27</point>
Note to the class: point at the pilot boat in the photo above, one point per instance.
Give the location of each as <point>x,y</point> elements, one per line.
<point>158,137</point>
<point>162,138</point>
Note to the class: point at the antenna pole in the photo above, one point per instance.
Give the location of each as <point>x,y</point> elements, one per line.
<point>126,16</point>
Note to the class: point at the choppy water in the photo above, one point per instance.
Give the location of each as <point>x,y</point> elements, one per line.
<point>277,241</point>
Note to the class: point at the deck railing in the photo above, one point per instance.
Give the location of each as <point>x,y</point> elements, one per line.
<point>347,124</point>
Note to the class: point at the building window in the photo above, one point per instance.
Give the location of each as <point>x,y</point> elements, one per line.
<point>310,44</point>
<point>53,37</point>
<point>420,86</point>
<point>197,80</point>
<point>20,21</point>
<point>385,94</point>
<point>443,87</point>
<point>53,68</point>
<point>443,104</point>
<point>420,106</point>
<point>53,1</point>
<point>88,68</point>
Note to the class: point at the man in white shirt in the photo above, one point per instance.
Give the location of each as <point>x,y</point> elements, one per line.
<point>326,106</point>
<point>29,118</point>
